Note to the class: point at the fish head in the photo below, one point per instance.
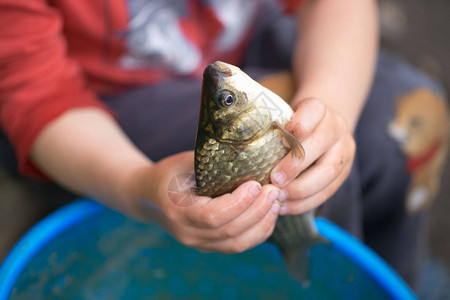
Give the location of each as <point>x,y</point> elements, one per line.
<point>230,110</point>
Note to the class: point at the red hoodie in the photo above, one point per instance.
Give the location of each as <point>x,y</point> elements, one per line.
<point>58,55</point>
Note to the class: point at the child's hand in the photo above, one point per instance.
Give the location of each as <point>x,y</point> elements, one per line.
<point>230,223</point>
<point>330,150</point>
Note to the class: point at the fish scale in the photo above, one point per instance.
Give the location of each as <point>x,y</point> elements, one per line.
<point>234,163</point>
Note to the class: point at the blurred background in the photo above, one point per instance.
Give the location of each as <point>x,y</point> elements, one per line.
<point>417,30</point>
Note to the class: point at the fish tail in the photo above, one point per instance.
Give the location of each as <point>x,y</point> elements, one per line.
<point>295,235</point>
<point>296,261</point>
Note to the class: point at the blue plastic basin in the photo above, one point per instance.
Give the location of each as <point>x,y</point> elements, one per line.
<point>86,251</point>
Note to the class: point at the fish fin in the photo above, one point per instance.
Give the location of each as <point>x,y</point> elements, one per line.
<point>296,260</point>
<point>296,235</point>
<point>297,149</point>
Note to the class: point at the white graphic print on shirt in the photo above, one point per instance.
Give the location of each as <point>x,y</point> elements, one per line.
<point>155,38</point>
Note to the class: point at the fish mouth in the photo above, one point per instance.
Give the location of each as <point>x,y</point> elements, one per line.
<point>222,68</point>
<point>217,70</point>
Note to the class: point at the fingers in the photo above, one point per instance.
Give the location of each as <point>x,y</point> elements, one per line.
<point>294,207</point>
<point>230,223</point>
<point>214,213</point>
<point>307,116</point>
<point>251,227</point>
<point>316,135</point>
<point>266,203</point>
<point>326,169</point>
<point>250,238</point>
<point>330,150</point>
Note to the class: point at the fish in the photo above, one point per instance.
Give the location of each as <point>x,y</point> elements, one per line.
<point>240,137</point>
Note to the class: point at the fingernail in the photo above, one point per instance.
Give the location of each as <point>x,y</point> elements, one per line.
<point>254,190</point>
<point>283,196</point>
<point>273,195</point>
<point>275,208</point>
<point>284,210</point>
<point>279,178</point>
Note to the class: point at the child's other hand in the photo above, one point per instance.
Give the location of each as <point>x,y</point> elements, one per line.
<point>230,223</point>
<point>330,151</point>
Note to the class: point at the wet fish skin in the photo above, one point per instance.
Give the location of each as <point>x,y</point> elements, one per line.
<point>237,143</point>
<point>222,167</point>
<point>240,139</point>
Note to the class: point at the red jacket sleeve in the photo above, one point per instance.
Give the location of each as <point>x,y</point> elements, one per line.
<point>291,6</point>
<point>38,80</point>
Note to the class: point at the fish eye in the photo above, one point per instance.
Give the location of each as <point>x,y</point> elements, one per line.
<point>226,98</point>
